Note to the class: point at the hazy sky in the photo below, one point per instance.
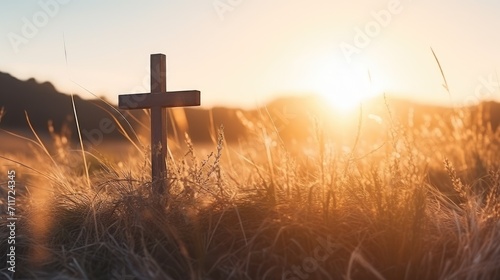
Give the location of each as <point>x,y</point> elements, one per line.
<point>246,52</point>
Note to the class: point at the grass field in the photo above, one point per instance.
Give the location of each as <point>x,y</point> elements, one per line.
<point>415,202</point>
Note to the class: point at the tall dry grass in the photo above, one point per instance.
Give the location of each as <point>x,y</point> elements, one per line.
<point>418,203</point>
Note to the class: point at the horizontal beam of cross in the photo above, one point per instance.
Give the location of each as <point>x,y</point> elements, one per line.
<point>170,99</point>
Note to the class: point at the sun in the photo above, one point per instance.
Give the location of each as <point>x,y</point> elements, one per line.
<point>344,86</point>
<point>346,91</point>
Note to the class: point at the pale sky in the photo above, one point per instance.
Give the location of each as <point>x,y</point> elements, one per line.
<point>247,52</point>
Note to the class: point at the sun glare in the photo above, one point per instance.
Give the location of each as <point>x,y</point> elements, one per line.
<point>347,92</point>
<point>345,88</point>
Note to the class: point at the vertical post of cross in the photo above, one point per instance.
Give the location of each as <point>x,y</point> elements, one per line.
<point>158,120</point>
<point>157,100</point>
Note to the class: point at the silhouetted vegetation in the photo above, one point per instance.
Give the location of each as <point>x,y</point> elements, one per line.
<point>395,195</point>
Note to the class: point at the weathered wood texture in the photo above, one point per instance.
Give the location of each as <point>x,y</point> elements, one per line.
<point>147,100</point>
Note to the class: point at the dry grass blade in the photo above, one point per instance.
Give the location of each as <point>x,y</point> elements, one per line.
<point>445,85</point>
<point>81,141</point>
<point>357,257</point>
<point>46,151</point>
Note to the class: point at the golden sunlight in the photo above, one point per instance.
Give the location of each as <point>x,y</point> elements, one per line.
<point>344,87</point>
<point>347,91</point>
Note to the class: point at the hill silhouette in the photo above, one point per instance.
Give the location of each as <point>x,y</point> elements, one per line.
<point>44,104</point>
<point>292,117</point>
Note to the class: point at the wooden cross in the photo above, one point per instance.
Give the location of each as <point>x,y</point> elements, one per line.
<point>157,100</point>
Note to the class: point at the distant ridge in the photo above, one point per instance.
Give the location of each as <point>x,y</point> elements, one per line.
<point>43,103</point>
<point>291,115</point>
